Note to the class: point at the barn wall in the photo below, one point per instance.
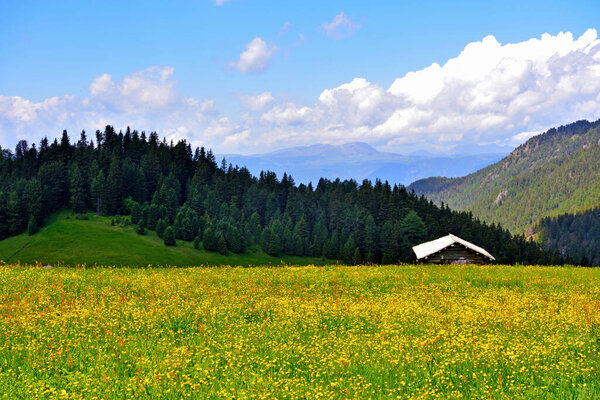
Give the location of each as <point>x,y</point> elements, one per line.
<point>454,255</point>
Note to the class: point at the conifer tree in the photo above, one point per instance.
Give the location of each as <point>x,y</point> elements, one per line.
<point>209,241</point>
<point>161,226</point>
<point>77,190</point>
<point>169,237</point>
<point>114,186</point>
<point>97,189</point>
<point>356,259</point>
<point>140,229</point>
<point>222,245</point>
<point>32,227</point>
<point>135,213</point>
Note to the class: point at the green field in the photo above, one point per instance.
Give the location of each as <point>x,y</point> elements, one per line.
<point>300,332</point>
<point>69,241</point>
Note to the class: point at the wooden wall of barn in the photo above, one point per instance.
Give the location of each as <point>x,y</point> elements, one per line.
<point>455,255</point>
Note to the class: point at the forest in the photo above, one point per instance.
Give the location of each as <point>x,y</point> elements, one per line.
<point>186,194</point>
<point>576,235</point>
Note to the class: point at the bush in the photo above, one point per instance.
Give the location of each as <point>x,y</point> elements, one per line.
<point>169,237</point>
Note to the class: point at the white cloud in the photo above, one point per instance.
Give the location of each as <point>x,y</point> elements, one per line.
<point>220,2</point>
<point>491,94</point>
<point>208,107</point>
<point>145,100</point>
<point>340,27</point>
<point>491,89</point>
<point>287,113</point>
<point>101,84</point>
<point>256,103</point>
<point>256,57</point>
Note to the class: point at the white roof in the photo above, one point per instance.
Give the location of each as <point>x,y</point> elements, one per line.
<point>426,249</point>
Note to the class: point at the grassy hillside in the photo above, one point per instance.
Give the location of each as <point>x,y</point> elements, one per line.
<point>406,332</point>
<point>550,174</point>
<point>67,240</point>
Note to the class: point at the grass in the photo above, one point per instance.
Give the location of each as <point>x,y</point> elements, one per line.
<point>69,241</point>
<point>300,332</point>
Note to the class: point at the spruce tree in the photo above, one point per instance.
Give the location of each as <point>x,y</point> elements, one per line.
<point>98,187</point>
<point>161,226</point>
<point>209,241</point>
<point>32,227</point>
<point>114,186</point>
<point>356,259</point>
<point>349,250</point>
<point>77,190</point>
<point>222,245</point>
<point>169,237</point>
<point>140,228</point>
<point>135,213</point>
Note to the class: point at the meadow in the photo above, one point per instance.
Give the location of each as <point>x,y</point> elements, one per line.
<point>66,240</point>
<point>406,331</point>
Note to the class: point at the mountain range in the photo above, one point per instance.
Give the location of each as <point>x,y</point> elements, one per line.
<point>553,173</point>
<point>358,161</point>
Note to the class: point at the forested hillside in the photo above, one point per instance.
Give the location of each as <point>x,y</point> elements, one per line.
<point>551,174</point>
<point>184,194</point>
<point>575,235</point>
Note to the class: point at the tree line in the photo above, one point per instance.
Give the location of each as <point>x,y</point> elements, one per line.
<point>575,236</point>
<point>185,194</point>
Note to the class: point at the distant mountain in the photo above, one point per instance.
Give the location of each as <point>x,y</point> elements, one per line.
<point>553,173</point>
<point>358,161</point>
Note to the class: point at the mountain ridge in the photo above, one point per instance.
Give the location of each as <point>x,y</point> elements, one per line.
<point>358,161</point>
<point>547,175</point>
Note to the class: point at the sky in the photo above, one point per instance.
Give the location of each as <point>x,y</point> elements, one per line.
<point>243,76</point>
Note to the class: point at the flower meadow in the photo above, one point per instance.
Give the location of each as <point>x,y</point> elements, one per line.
<point>408,331</point>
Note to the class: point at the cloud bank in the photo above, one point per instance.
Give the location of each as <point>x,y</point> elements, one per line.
<point>490,95</point>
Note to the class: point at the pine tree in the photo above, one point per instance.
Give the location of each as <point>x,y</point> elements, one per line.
<point>169,237</point>
<point>140,229</point>
<point>135,213</point>
<point>356,259</point>
<point>254,226</point>
<point>32,227</point>
<point>98,192</point>
<point>349,250</point>
<point>77,190</point>
<point>32,198</point>
<point>222,245</point>
<point>161,226</point>
<point>114,186</point>
<point>414,228</point>
<point>209,241</point>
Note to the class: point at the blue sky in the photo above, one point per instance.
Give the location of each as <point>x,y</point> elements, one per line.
<point>187,77</point>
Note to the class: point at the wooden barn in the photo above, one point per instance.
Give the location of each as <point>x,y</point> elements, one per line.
<point>451,250</point>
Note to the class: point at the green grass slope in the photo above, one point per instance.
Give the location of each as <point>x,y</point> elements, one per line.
<point>69,241</point>
<point>553,173</point>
